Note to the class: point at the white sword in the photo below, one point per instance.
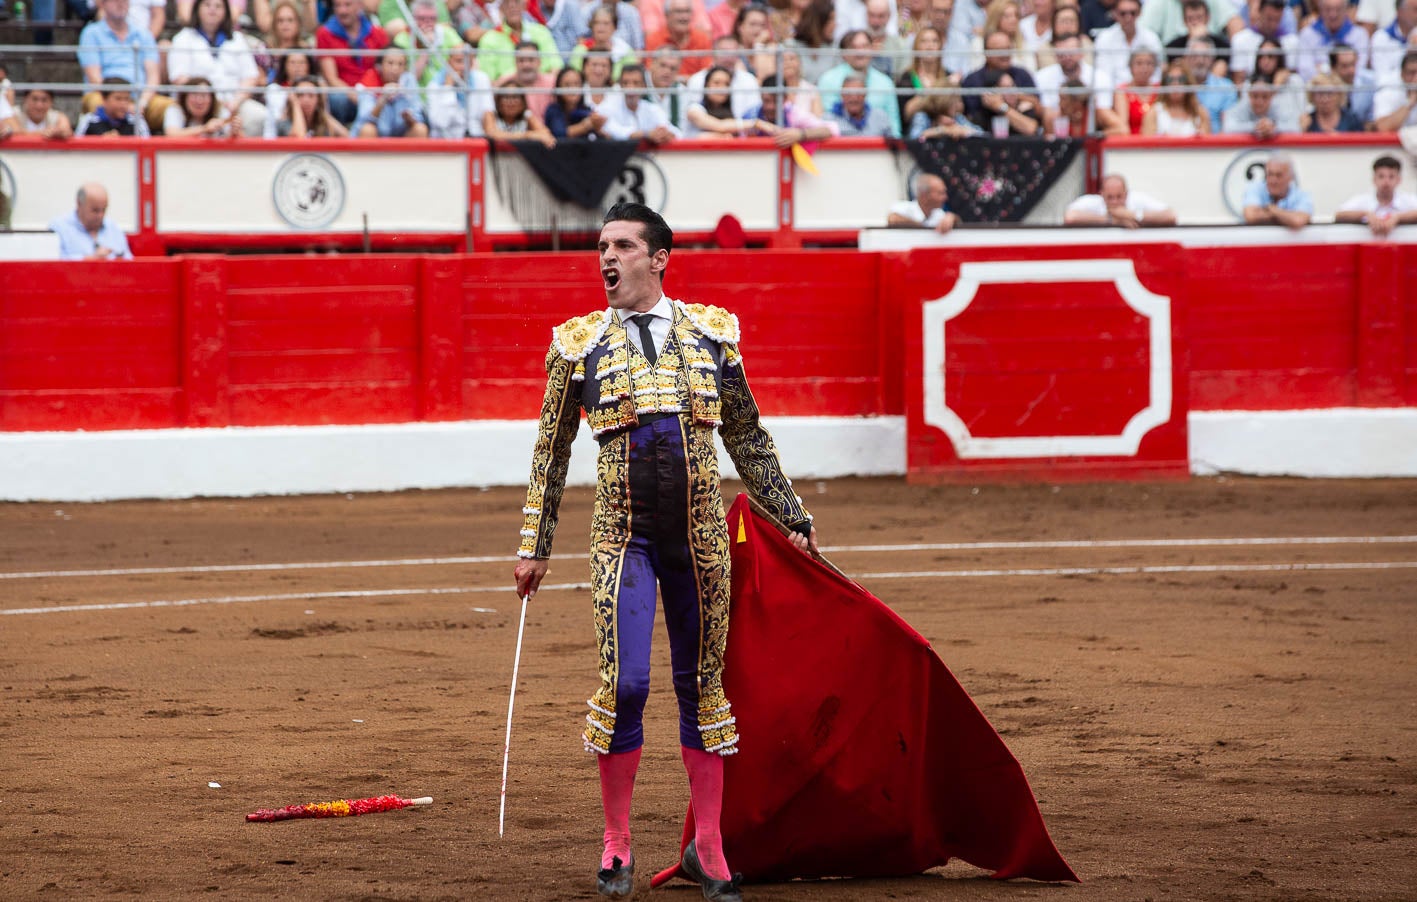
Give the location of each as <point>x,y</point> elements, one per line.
<point>511,702</point>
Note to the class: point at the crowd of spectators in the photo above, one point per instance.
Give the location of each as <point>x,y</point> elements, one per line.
<point>900,68</point>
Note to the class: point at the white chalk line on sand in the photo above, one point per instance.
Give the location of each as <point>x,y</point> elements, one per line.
<point>898,574</point>
<point>834,549</point>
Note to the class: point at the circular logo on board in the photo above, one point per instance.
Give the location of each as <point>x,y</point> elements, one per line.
<point>1247,166</point>
<point>308,191</point>
<point>641,181</point>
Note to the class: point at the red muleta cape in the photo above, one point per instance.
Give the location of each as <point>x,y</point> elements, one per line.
<point>862,756</point>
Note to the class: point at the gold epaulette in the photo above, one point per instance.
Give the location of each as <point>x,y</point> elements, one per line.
<point>715,322</point>
<point>575,338</point>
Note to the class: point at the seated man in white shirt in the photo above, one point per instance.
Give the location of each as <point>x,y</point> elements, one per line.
<point>1384,208</point>
<point>1395,104</point>
<point>1113,46</point>
<point>1116,206</point>
<point>630,115</point>
<point>927,210</point>
<point>1330,29</point>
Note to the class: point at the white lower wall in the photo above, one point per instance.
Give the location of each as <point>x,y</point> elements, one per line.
<point>184,463</point>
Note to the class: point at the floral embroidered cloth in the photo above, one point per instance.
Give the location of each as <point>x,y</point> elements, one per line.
<point>995,179</point>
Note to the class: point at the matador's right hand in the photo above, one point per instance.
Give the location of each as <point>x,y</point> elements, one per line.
<point>529,573</point>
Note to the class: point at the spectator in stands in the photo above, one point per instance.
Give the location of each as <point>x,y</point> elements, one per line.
<point>1395,105</point>
<point>389,102</point>
<point>285,33</point>
<point>889,52</point>
<point>429,42</point>
<point>567,22</point>
<point>512,120</point>
<point>1096,16</point>
<point>568,115</point>
<point>37,116</point>
<point>744,90</point>
<point>114,117</point>
<point>1392,42</point>
<point>1329,116</point>
<point>210,49</point>
<point>812,40</point>
<point>996,64</point>
<point>1330,29</point>
<point>631,116</point>
<point>87,233</point>
<point>292,67</point>
<point>1118,206</point>
<point>788,123</point>
<point>1002,19</point>
<point>680,33</point>
<point>263,15</point>
<point>498,48</point>
<point>598,82</point>
<point>1289,99</point>
<point>631,27</point>
<point>144,15</point>
<point>198,114</point>
<point>474,18</point>
<point>1277,199</point>
<point>1115,47</point>
<point>754,35</point>
<point>109,48</point>
<point>348,28</point>
<point>668,85</point>
<point>1070,67</point>
<point>711,116</point>
<point>926,210</point>
<point>1359,84</point>
<point>1004,99</point>
<point>957,42</point>
<point>535,83</point>
<point>943,117</point>
<point>1217,93</point>
<point>306,113</point>
<point>1037,30</point>
<point>1066,20</point>
<point>456,106</point>
<point>1265,24</point>
<point>880,90</point>
<point>925,72</point>
<point>1256,114</point>
<point>969,18</point>
<point>1135,96</point>
<point>723,16</point>
<point>854,114</point>
<point>655,15</point>
<point>604,39</point>
<point>1177,21</point>
<point>1179,114</point>
<point>800,92</point>
<point>1384,208</point>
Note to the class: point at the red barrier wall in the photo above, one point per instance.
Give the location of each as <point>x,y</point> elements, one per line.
<point>212,341</point>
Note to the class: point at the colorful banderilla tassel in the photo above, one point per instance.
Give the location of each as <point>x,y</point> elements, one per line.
<point>337,808</point>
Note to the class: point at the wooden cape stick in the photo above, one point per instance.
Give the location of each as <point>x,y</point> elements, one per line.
<point>817,556</point>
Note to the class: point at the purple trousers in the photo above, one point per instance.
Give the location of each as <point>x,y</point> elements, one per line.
<point>657,553</point>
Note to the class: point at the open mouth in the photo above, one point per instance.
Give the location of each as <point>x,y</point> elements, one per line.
<point>611,277</point>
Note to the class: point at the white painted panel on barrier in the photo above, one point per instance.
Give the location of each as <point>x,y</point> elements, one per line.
<point>704,185</point>
<point>45,184</point>
<point>1205,184</point>
<point>276,192</point>
<point>855,188</point>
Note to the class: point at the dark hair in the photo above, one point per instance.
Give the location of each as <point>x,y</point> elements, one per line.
<point>224,28</point>
<point>812,26</point>
<point>1273,4</point>
<point>39,91</point>
<point>115,85</point>
<point>751,7</point>
<point>992,77</point>
<point>283,74</point>
<point>574,98</point>
<point>1387,162</point>
<point>769,81</point>
<point>608,10</point>
<point>1336,49</point>
<point>211,110</point>
<point>318,125</point>
<point>715,109</point>
<point>1196,4</point>
<point>530,45</point>
<point>846,39</point>
<point>1408,57</point>
<point>655,230</point>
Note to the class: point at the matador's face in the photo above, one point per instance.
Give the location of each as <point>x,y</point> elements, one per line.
<point>630,273</point>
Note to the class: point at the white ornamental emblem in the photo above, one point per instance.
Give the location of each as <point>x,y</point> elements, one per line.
<point>308,191</point>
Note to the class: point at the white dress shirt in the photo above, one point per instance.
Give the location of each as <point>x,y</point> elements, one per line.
<point>1112,51</point>
<point>621,122</point>
<point>663,315</point>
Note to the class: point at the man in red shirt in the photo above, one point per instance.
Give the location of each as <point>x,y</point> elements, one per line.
<point>680,34</point>
<point>348,28</point>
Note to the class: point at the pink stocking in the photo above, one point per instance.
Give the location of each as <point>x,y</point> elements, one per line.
<point>706,790</point>
<point>617,785</point>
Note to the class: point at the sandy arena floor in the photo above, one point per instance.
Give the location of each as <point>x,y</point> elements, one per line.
<point>1217,725</point>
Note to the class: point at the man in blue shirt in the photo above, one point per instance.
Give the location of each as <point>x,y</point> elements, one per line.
<point>87,233</point>
<point>856,61</point>
<point>854,116</point>
<point>110,48</point>
<point>1276,199</point>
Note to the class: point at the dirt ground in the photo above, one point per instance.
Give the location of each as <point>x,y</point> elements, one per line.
<point>1219,726</point>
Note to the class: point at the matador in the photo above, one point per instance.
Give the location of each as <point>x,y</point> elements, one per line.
<point>655,377</point>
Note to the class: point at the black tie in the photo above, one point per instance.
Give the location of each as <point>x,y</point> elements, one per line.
<point>646,339</point>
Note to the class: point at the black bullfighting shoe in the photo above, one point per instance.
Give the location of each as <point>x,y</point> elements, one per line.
<point>617,881</point>
<point>714,890</point>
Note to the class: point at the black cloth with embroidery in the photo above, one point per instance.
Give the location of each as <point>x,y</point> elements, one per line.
<point>995,179</point>
<point>577,170</point>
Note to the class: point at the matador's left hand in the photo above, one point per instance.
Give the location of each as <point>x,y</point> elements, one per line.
<point>807,546</point>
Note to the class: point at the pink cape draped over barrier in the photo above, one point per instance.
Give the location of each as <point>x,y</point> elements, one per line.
<point>861,755</point>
